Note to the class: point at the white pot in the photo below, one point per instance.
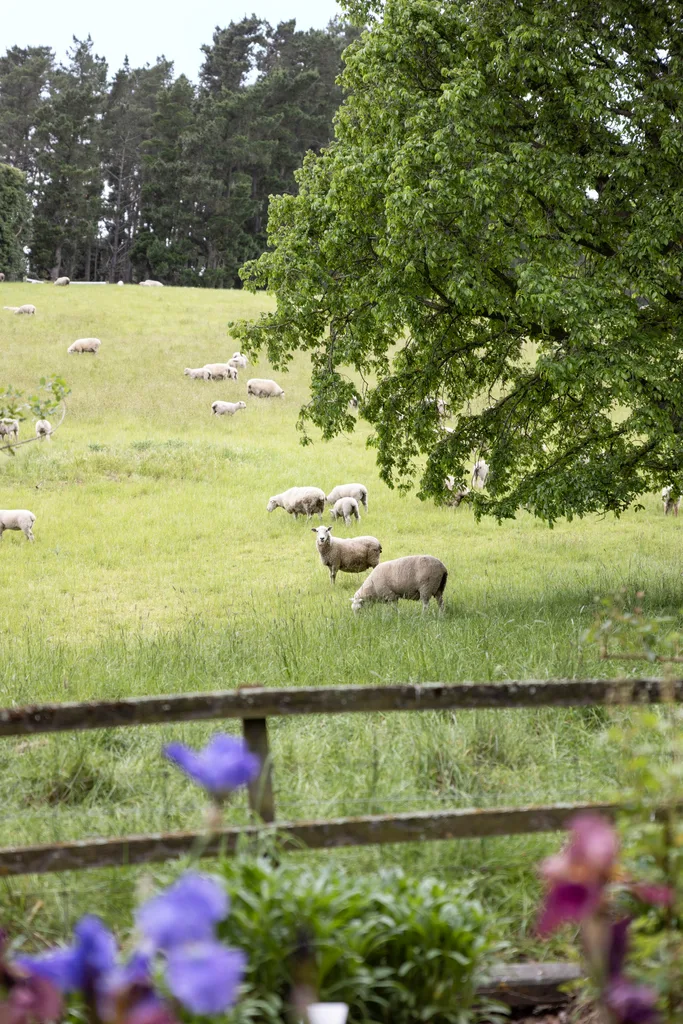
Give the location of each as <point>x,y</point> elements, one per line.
<point>327,1013</point>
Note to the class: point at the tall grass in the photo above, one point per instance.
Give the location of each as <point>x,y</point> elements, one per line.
<point>156,569</point>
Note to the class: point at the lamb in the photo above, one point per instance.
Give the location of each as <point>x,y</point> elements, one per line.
<point>17,519</point>
<point>414,577</point>
<point>299,501</point>
<point>84,345</point>
<point>44,430</point>
<point>63,281</point>
<point>459,491</point>
<point>260,388</point>
<point>8,428</point>
<point>480,473</point>
<point>346,508</point>
<point>201,374</point>
<point>28,309</point>
<point>353,554</point>
<point>151,284</point>
<point>219,371</point>
<point>357,491</point>
<point>238,360</point>
<point>227,408</point>
<point>670,505</point>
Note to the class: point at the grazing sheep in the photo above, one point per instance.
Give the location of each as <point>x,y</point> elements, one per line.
<point>85,345</point>
<point>44,430</point>
<point>299,501</point>
<point>346,508</point>
<point>17,519</point>
<point>28,309</point>
<point>415,578</point>
<point>260,388</point>
<point>2,277</point>
<point>151,284</point>
<point>352,554</point>
<point>353,402</point>
<point>238,360</point>
<point>670,505</point>
<point>120,284</point>
<point>221,371</point>
<point>9,428</point>
<point>480,473</point>
<point>200,374</point>
<point>357,491</point>
<point>459,491</point>
<point>227,408</point>
<point>63,281</point>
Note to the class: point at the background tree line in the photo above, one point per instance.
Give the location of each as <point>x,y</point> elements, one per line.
<point>144,174</point>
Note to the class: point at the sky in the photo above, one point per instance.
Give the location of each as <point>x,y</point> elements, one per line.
<point>145,29</point>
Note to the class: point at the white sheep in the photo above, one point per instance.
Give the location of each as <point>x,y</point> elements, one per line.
<point>227,408</point>
<point>84,345</point>
<point>9,428</point>
<point>261,388</point>
<point>201,374</point>
<point>299,501</point>
<point>120,284</point>
<point>480,473</point>
<point>414,578</point>
<point>669,504</point>
<point>2,277</point>
<point>27,309</point>
<point>44,430</point>
<point>151,284</point>
<point>63,281</point>
<point>459,491</point>
<point>357,491</point>
<point>353,402</point>
<point>348,554</point>
<point>17,519</point>
<point>346,509</point>
<point>221,371</point>
<point>238,360</point>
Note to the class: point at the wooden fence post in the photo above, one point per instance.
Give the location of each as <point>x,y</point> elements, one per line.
<point>261,796</point>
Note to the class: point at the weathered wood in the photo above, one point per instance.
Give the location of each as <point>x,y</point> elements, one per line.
<point>529,984</point>
<point>363,831</point>
<point>261,796</point>
<point>263,702</point>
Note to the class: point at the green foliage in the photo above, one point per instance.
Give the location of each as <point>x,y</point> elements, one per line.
<point>394,948</point>
<point>15,221</point>
<point>14,405</point>
<point>498,223</point>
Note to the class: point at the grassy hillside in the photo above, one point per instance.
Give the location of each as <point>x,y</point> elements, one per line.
<point>156,569</point>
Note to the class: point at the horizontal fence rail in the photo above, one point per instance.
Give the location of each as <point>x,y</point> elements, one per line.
<point>262,702</point>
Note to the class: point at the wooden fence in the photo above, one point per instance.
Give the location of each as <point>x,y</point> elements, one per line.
<point>255,705</point>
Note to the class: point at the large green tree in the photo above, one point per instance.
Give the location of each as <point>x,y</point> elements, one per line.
<point>15,222</point>
<point>498,223</point>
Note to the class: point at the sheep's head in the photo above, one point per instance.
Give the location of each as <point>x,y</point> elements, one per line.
<point>241,405</point>
<point>213,407</point>
<point>272,505</point>
<point>188,371</point>
<point>356,602</point>
<point>322,535</point>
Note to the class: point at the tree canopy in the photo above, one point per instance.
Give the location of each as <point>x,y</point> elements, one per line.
<point>15,221</point>
<point>498,223</point>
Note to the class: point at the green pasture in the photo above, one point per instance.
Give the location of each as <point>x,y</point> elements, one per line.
<point>156,569</point>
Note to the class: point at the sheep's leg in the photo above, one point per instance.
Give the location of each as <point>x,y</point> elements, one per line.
<point>333,576</point>
<point>296,516</point>
<point>29,534</point>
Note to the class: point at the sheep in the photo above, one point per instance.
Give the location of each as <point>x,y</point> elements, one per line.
<point>200,374</point>
<point>414,577</point>
<point>239,360</point>
<point>480,473</point>
<point>299,501</point>
<point>9,427</point>
<point>17,519</point>
<point>28,309</point>
<point>260,388</point>
<point>63,281</point>
<point>353,402</point>
<point>84,345</point>
<point>357,491</point>
<point>44,430</point>
<point>459,491</point>
<point>346,508</point>
<point>120,284</point>
<point>670,505</point>
<point>352,554</point>
<point>227,408</point>
<point>151,284</point>
<point>219,371</point>
<point>2,277</point>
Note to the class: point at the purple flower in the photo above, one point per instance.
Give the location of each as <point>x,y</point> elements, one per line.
<point>78,968</point>
<point>618,947</point>
<point>567,901</point>
<point>188,911</point>
<point>30,999</point>
<point>225,764</point>
<point>631,1004</point>
<point>658,895</point>
<point>205,976</point>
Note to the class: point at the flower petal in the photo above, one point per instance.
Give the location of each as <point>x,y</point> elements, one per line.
<point>567,901</point>
<point>63,968</point>
<point>205,976</point>
<point>187,759</point>
<point>187,911</point>
<point>618,947</point>
<point>632,1004</point>
<point>658,895</point>
<point>594,842</point>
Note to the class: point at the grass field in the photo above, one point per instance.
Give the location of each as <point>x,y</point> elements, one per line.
<point>156,569</point>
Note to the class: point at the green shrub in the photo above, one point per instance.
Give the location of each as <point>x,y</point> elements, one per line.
<point>393,948</point>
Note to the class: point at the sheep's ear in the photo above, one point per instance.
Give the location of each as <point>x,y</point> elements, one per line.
<point>314,529</point>
<point>330,528</point>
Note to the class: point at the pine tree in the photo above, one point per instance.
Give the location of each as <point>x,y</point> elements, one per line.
<point>15,221</point>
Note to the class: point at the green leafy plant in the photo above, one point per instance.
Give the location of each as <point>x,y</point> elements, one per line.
<point>15,405</point>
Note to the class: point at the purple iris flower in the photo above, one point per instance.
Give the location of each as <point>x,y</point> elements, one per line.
<point>225,764</point>
<point>205,976</point>
<point>30,999</point>
<point>188,911</point>
<point>78,968</point>
<point>631,1004</point>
